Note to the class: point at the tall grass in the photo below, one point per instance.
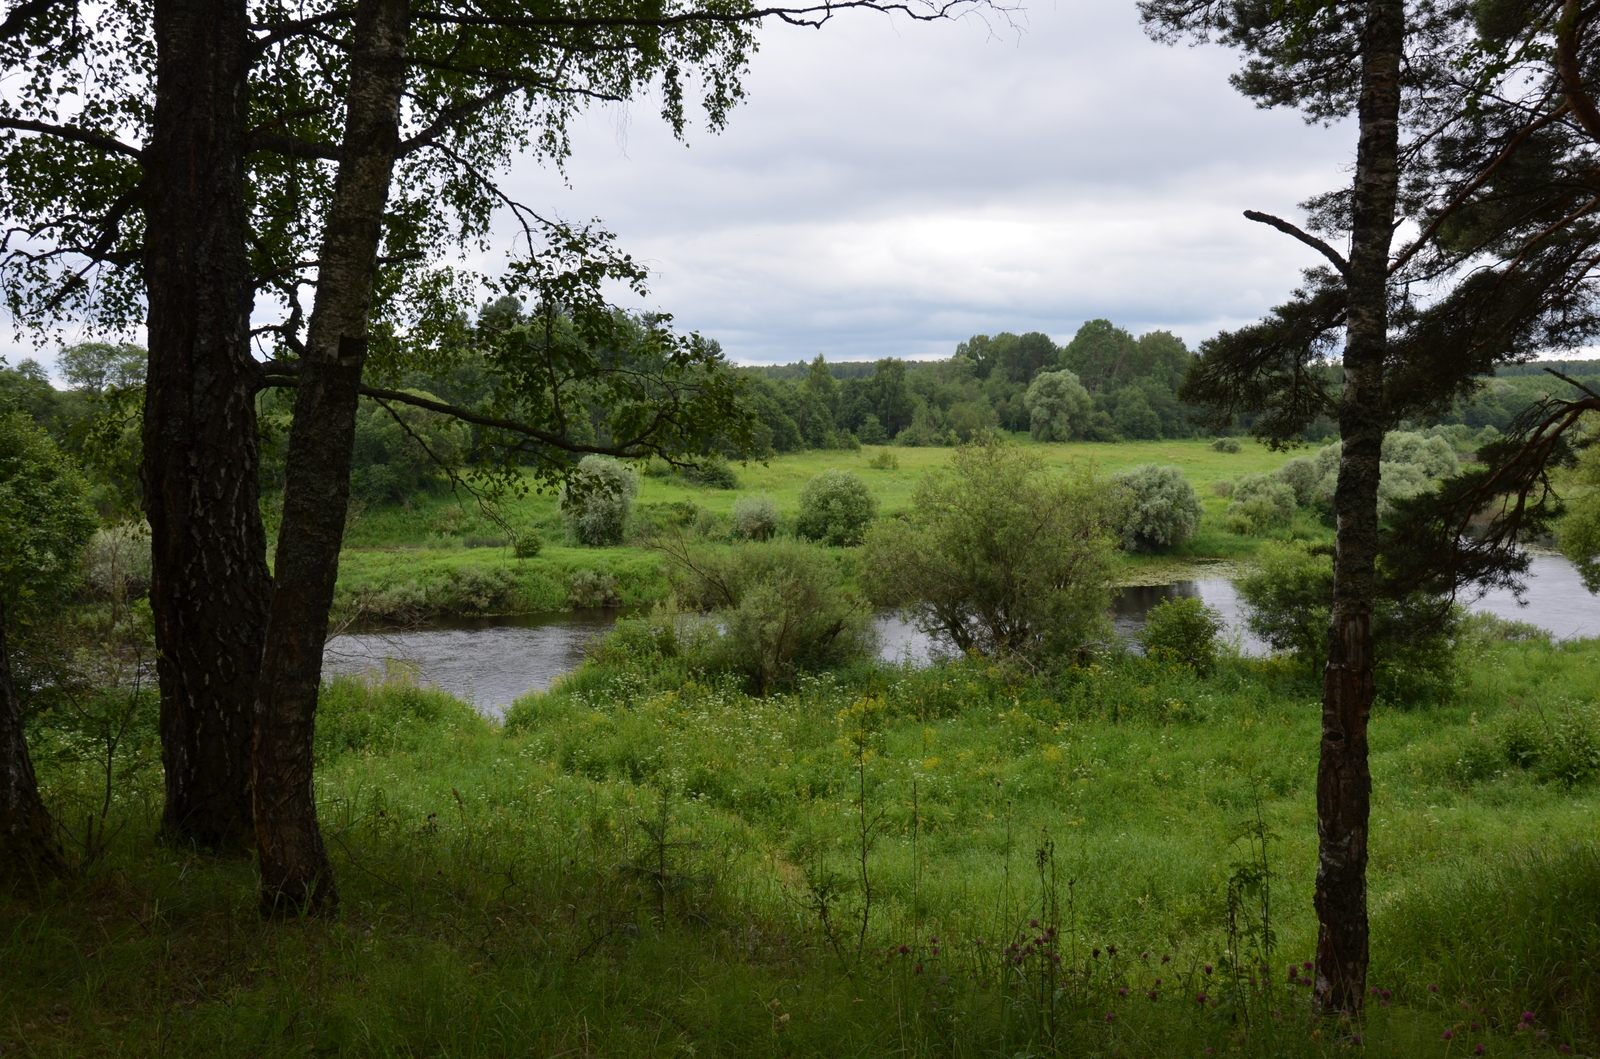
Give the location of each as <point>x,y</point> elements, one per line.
<point>645,863</point>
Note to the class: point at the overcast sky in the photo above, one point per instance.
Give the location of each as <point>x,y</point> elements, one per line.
<point>890,188</point>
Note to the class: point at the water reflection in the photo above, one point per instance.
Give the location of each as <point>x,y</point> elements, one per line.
<point>490,663</point>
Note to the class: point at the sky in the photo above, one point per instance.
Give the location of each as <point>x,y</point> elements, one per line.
<point>890,188</point>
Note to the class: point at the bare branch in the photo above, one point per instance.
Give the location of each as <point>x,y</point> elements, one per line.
<point>1305,237</point>
<point>86,137</point>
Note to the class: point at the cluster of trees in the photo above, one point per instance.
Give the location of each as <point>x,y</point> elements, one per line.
<point>1121,388</point>
<point>202,169</point>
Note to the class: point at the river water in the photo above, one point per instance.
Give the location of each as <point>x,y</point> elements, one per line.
<point>491,662</point>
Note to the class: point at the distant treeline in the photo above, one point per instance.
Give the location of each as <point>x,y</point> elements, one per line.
<point>1132,384</point>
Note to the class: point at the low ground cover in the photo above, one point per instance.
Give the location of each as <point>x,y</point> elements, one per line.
<point>879,861</point>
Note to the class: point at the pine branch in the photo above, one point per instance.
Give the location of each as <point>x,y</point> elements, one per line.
<point>1305,237</point>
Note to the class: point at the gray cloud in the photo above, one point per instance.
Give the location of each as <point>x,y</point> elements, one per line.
<point>890,188</point>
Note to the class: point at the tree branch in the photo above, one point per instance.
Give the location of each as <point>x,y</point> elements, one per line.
<point>1305,237</point>
<point>1571,67</point>
<point>283,373</point>
<point>292,147</point>
<point>68,132</point>
<point>16,22</point>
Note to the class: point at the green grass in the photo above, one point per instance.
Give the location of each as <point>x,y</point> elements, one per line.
<point>409,556</point>
<point>636,865</point>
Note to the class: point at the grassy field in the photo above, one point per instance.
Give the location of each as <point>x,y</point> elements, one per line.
<point>880,862</point>
<point>445,556</point>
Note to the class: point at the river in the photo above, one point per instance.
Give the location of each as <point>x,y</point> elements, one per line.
<point>492,661</point>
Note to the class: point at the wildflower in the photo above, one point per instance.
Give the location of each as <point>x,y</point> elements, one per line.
<point>1110,1017</point>
<point>1123,991</point>
<point>1153,995</point>
<point>1355,1039</point>
<point>1372,991</point>
<point>1097,954</point>
<point>1527,1016</point>
<point>1033,922</point>
<point>1112,949</point>
<point>933,939</point>
<point>944,981</point>
<point>1158,981</point>
<point>904,949</point>
<point>1056,956</point>
<point>1206,968</point>
<point>1433,989</point>
<point>917,969</point>
<point>1479,1050</point>
<point>1308,965</point>
<point>1448,1035</point>
<point>1201,998</point>
<point>1144,956</point>
<point>1564,1049</point>
<point>1166,959</point>
<point>1385,994</point>
<point>1208,1050</point>
<point>1474,1027</point>
<point>1050,932</point>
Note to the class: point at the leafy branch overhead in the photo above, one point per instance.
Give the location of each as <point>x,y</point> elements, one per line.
<point>486,82</point>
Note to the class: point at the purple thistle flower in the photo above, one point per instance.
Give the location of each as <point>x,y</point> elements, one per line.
<point>1201,998</point>
<point>1448,1035</point>
<point>1433,989</point>
<point>1527,1016</point>
<point>1033,922</point>
<point>1308,965</point>
<point>1110,1017</point>
<point>1123,991</point>
<point>904,949</point>
<point>1479,1050</point>
<point>1206,968</point>
<point>917,969</point>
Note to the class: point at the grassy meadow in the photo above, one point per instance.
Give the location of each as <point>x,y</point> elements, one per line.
<point>955,861</point>
<point>444,555</point>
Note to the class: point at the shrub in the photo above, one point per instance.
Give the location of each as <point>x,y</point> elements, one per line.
<point>871,431</point>
<point>596,500</point>
<point>1183,630</point>
<point>1300,475</point>
<point>592,588</point>
<point>1261,503</point>
<point>1058,406</point>
<point>755,517</point>
<point>1288,602</point>
<point>45,519</point>
<point>884,461</point>
<point>397,450</point>
<point>1409,466</point>
<point>526,543</point>
<point>1162,510</point>
<point>117,563</point>
<point>778,609</point>
<point>1226,445</point>
<point>714,473</point>
<point>1000,556</point>
<point>835,508</point>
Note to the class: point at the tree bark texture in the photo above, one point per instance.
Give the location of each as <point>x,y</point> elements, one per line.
<point>1344,781</point>
<point>210,584</point>
<point>296,874</point>
<point>27,834</point>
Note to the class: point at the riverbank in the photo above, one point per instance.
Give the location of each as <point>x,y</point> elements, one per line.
<point>447,556</point>
<point>636,865</point>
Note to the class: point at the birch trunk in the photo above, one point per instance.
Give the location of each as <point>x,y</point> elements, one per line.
<point>296,874</point>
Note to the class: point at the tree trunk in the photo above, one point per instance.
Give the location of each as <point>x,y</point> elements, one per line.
<point>296,875</point>
<point>210,584</point>
<point>27,835</point>
<point>1344,782</point>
